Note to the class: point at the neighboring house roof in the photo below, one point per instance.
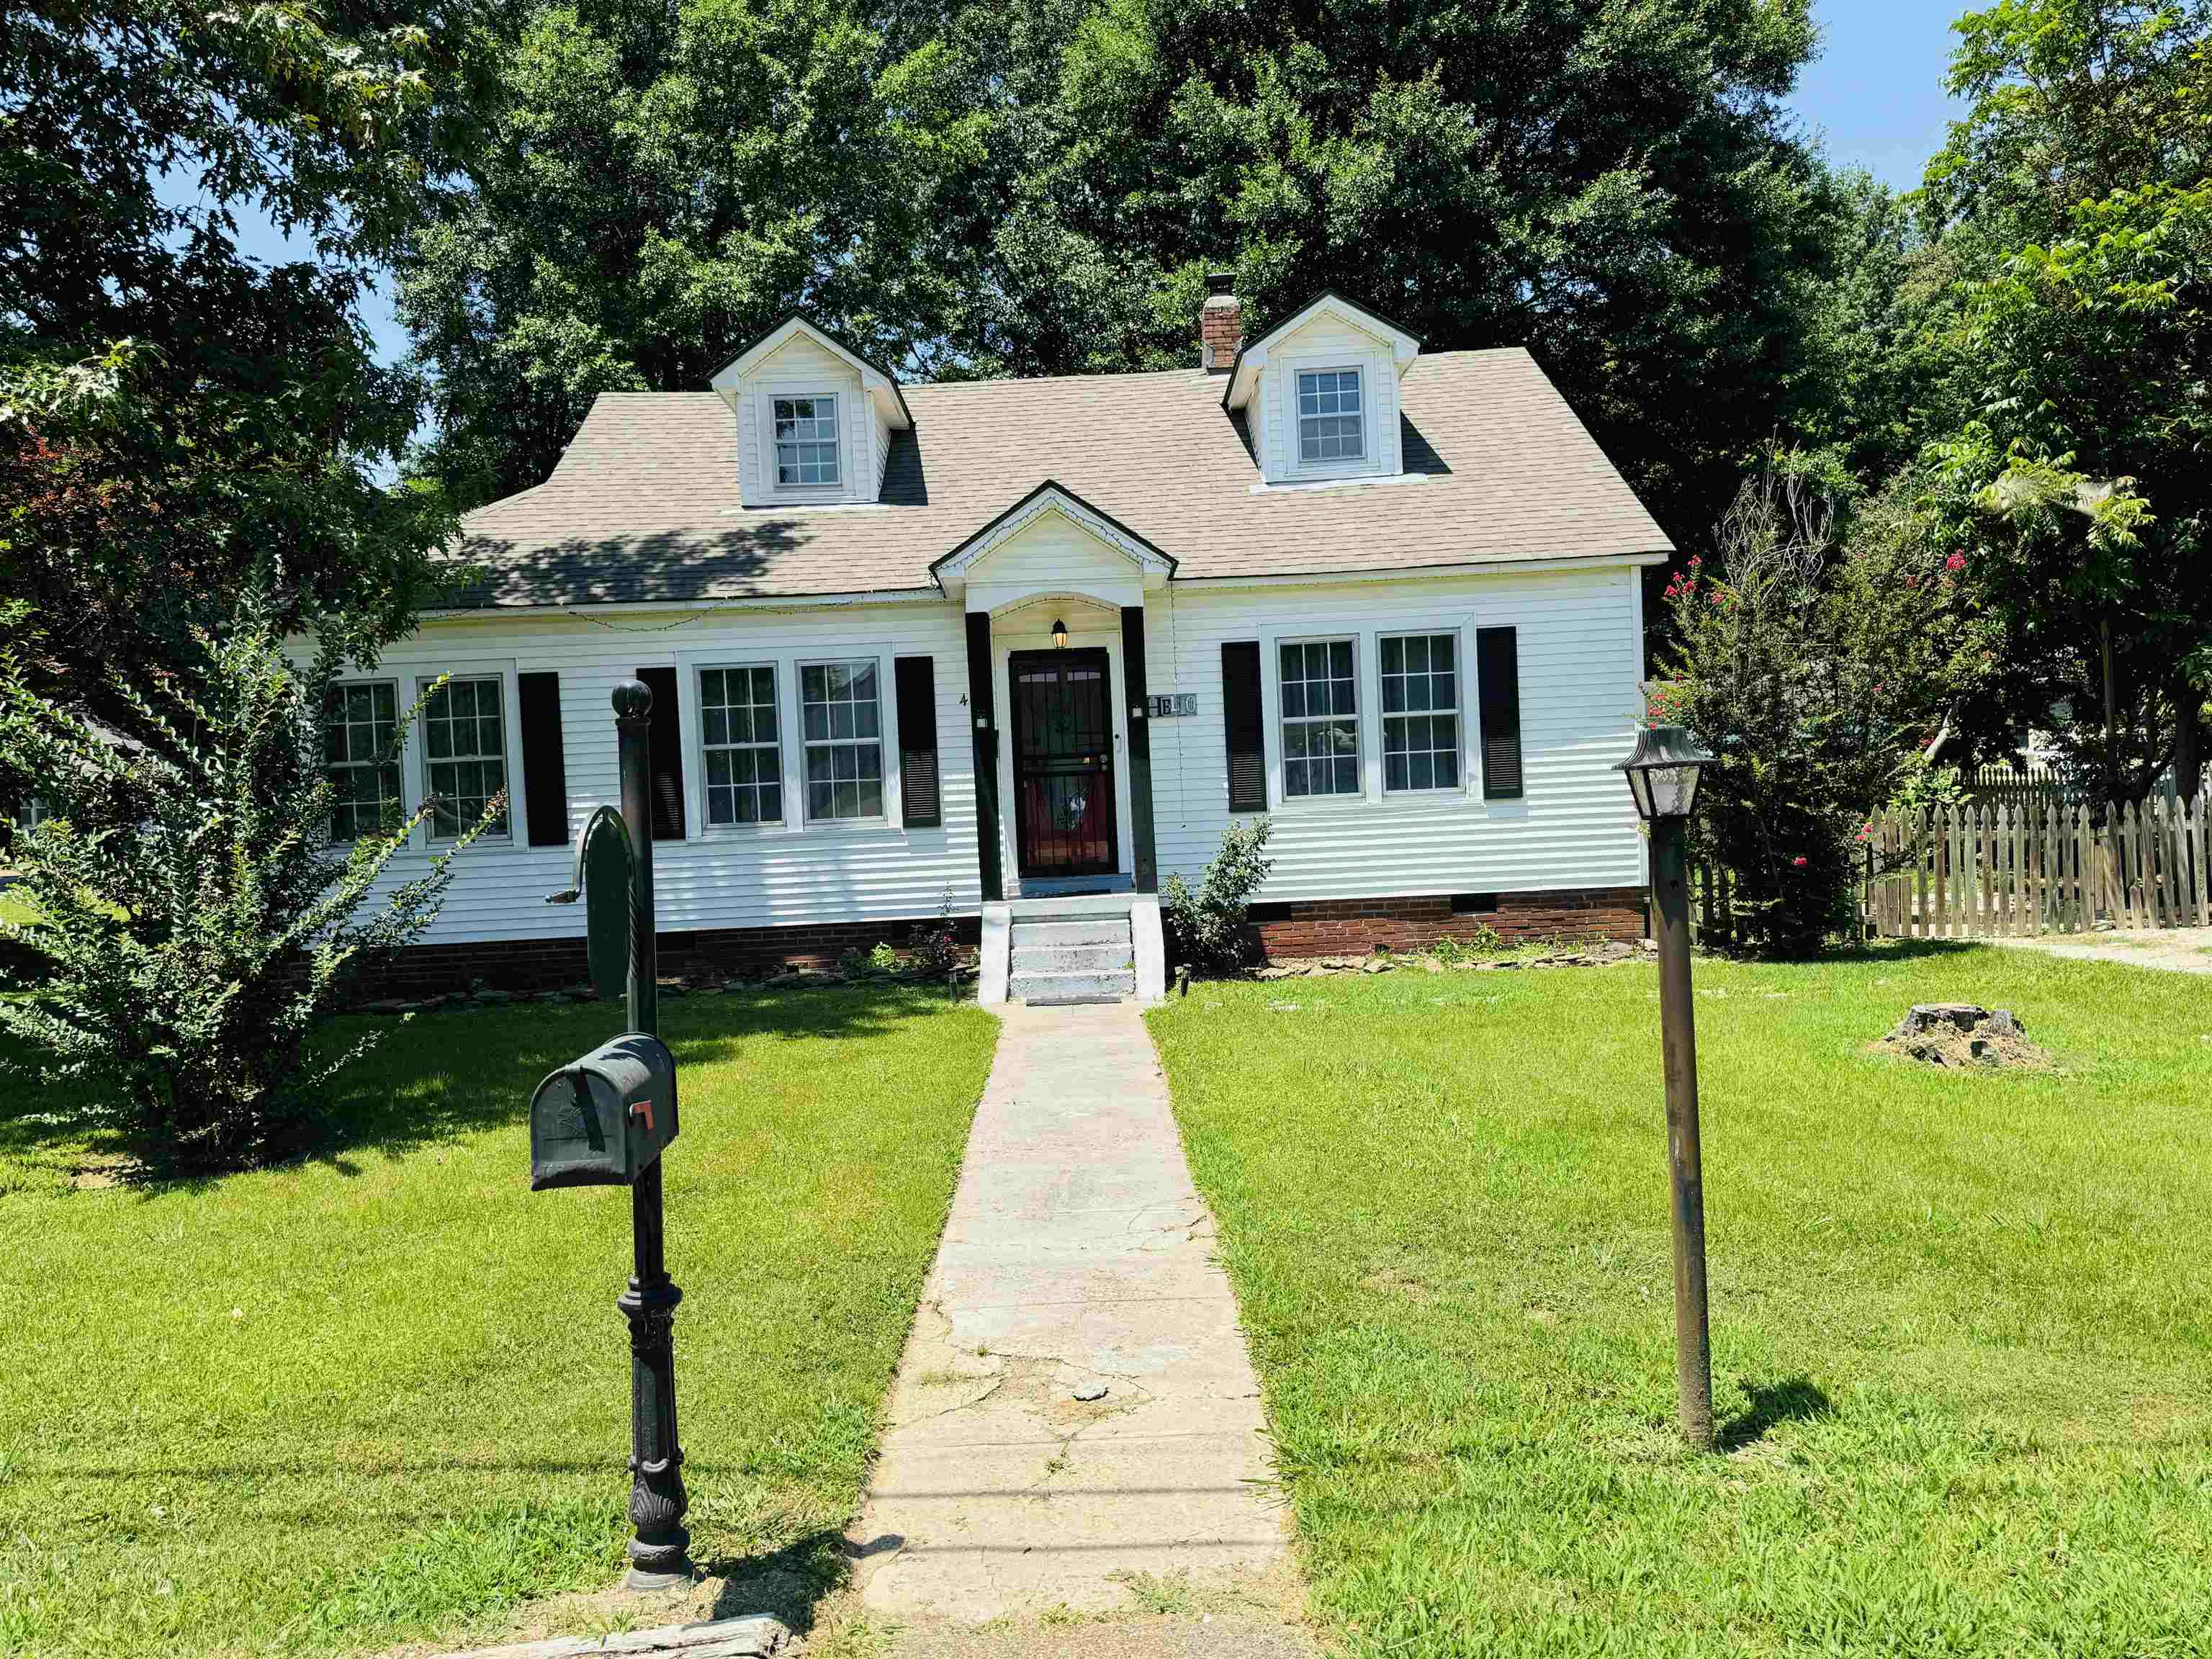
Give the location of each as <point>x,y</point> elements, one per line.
<point>644,506</point>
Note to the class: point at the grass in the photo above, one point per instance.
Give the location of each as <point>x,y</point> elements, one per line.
<point>16,906</point>
<point>384,1393</point>
<point>1961,1325</point>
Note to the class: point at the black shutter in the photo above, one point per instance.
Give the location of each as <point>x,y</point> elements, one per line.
<point>544,768</point>
<point>982,712</point>
<point>1137,683</point>
<point>1498,680</point>
<point>1242,727</point>
<point>667,755</point>
<point>916,680</point>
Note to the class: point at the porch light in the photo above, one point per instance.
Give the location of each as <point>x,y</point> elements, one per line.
<point>1058,635</point>
<point>1662,773</point>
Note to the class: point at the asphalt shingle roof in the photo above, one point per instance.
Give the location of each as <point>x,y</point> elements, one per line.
<point>645,506</point>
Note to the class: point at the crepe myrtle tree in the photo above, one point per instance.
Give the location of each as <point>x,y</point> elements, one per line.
<point>195,920</point>
<point>1827,673</point>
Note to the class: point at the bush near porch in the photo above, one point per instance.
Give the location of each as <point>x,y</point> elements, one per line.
<point>1961,1322</point>
<point>384,1393</point>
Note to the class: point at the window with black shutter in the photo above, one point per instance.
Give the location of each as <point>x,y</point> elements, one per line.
<point>916,681</point>
<point>544,767</point>
<point>667,755</point>
<point>1242,727</point>
<point>1498,682</point>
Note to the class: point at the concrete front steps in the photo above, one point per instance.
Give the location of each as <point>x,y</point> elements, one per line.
<point>1102,947</point>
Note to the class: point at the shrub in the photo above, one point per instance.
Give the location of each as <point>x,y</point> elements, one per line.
<point>936,951</point>
<point>1818,673</point>
<point>1208,930</point>
<point>196,923</point>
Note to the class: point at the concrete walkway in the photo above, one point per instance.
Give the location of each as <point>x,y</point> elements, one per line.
<point>2178,950</point>
<point>1078,1258</point>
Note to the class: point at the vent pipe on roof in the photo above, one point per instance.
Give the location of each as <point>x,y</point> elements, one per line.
<point>1220,324</point>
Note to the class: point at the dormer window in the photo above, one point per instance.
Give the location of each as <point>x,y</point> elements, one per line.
<point>815,420</point>
<point>1320,396</point>
<point>806,443</point>
<point>1331,424</point>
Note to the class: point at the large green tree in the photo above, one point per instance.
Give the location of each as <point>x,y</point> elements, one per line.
<point>177,419</point>
<point>1614,185</point>
<point>2074,475</point>
<point>1039,187</point>
<point>661,184</point>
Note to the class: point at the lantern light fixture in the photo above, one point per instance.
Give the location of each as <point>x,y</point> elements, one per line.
<point>1058,635</point>
<point>1663,772</point>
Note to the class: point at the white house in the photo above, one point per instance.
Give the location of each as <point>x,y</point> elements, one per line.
<point>1021,648</point>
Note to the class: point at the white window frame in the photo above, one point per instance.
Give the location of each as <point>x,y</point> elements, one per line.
<point>1457,634</point>
<point>1279,722</point>
<point>427,675</point>
<point>885,712</point>
<point>771,487</point>
<point>781,670</point>
<point>400,762</point>
<point>1295,372</point>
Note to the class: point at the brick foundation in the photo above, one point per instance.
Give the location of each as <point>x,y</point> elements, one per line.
<point>1317,927</point>
<point>551,964</point>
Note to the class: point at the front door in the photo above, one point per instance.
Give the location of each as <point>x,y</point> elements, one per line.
<point>1063,764</point>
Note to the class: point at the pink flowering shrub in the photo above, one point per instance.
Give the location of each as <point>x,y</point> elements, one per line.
<point>1813,672</point>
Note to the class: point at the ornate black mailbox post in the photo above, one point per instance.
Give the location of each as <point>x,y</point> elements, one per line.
<point>604,1121</point>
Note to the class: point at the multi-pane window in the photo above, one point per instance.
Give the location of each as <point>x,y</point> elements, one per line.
<point>464,755</point>
<point>806,440</point>
<point>1420,712</point>
<point>842,717</point>
<point>745,755</point>
<point>361,723</point>
<point>1330,425</point>
<point>1321,720</point>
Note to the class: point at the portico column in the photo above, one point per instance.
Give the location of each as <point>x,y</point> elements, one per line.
<point>1147,873</point>
<point>981,707</point>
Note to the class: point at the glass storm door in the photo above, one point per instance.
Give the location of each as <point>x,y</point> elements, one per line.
<point>1063,764</point>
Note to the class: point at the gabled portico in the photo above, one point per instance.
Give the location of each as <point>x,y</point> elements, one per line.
<point>1055,590</point>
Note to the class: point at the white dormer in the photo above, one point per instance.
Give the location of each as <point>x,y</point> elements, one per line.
<point>1320,394</point>
<point>814,419</point>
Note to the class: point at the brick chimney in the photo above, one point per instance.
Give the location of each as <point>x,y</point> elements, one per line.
<point>1221,323</point>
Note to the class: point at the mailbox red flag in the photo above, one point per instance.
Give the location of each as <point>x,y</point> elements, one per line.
<point>643,1108</point>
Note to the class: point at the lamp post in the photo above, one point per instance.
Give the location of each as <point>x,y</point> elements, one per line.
<point>660,1548</point>
<point>1663,776</point>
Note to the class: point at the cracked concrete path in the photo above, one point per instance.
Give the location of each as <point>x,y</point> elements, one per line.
<point>1078,1255</point>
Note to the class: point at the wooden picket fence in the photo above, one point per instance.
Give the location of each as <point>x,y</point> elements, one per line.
<point>2010,868</point>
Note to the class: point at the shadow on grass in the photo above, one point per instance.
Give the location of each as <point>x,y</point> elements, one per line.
<point>791,1583</point>
<point>1796,1399</point>
<point>442,1075</point>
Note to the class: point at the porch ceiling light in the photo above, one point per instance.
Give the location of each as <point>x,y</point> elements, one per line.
<point>1058,635</point>
<point>1663,772</point>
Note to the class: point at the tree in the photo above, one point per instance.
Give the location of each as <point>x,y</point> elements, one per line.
<point>659,185</point>
<point>1040,186</point>
<point>2072,477</point>
<point>1614,186</point>
<point>174,416</point>
<point>183,960</point>
<point>1819,671</point>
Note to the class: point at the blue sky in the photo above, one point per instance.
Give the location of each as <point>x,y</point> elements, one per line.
<point>1876,93</point>
<point>1877,88</point>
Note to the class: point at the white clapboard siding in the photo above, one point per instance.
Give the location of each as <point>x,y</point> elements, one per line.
<point>1579,655</point>
<point>710,880</point>
<point>1579,661</point>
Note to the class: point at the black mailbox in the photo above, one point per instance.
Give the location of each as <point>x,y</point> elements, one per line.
<point>599,1121</point>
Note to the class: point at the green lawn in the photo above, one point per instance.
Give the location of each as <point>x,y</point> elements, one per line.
<point>1962,1324</point>
<point>384,1395</point>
